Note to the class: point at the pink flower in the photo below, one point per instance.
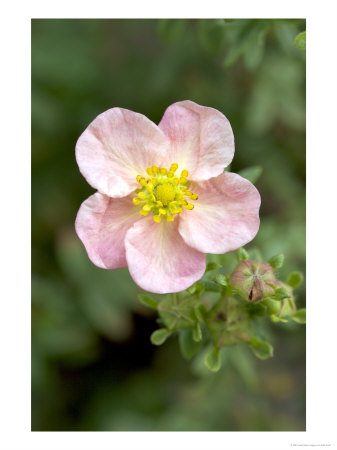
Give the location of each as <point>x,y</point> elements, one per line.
<point>163,197</point>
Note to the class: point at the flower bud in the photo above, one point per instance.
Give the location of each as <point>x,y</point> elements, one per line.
<point>253,280</point>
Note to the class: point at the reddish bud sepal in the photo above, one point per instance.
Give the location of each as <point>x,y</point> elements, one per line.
<point>253,280</point>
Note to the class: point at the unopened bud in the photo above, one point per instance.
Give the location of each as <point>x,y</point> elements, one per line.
<point>253,280</point>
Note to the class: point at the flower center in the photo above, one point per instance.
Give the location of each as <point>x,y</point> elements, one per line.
<point>163,193</point>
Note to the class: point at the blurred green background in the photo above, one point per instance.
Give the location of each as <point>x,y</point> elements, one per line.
<point>93,367</point>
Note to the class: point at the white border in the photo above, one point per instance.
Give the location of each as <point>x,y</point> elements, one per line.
<point>321,226</point>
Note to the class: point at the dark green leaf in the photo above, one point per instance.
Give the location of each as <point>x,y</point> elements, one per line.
<point>171,29</point>
<point>212,34</point>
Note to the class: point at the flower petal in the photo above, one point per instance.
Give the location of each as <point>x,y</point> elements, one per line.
<point>117,146</point>
<point>101,224</point>
<point>225,217</point>
<point>159,260</point>
<point>201,138</point>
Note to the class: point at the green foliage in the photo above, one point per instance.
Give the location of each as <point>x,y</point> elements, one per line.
<point>212,266</point>
<point>212,34</point>
<point>158,337</point>
<point>300,41</point>
<point>276,262</point>
<point>188,346</point>
<point>171,29</point>
<point>261,349</point>
<point>295,279</point>
<point>242,254</point>
<point>221,280</point>
<point>228,320</point>
<point>299,316</point>
<point>146,300</point>
<point>251,173</point>
<point>213,360</point>
<point>281,293</point>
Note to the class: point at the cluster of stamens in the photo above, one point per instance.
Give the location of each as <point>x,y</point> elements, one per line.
<point>163,193</point>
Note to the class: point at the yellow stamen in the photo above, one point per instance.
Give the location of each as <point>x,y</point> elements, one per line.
<point>163,194</point>
<point>173,167</point>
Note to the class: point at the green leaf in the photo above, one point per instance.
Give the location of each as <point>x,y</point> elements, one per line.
<point>273,306</point>
<point>212,266</point>
<point>242,254</point>
<point>300,41</point>
<point>281,294</point>
<point>158,337</point>
<point>213,360</point>
<point>148,301</point>
<point>299,316</point>
<point>295,279</point>
<point>276,262</point>
<point>200,312</point>
<point>261,349</point>
<point>277,318</point>
<point>188,346</point>
<point>251,173</point>
<point>197,288</point>
<point>197,334</point>
<point>211,286</point>
<point>221,279</point>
